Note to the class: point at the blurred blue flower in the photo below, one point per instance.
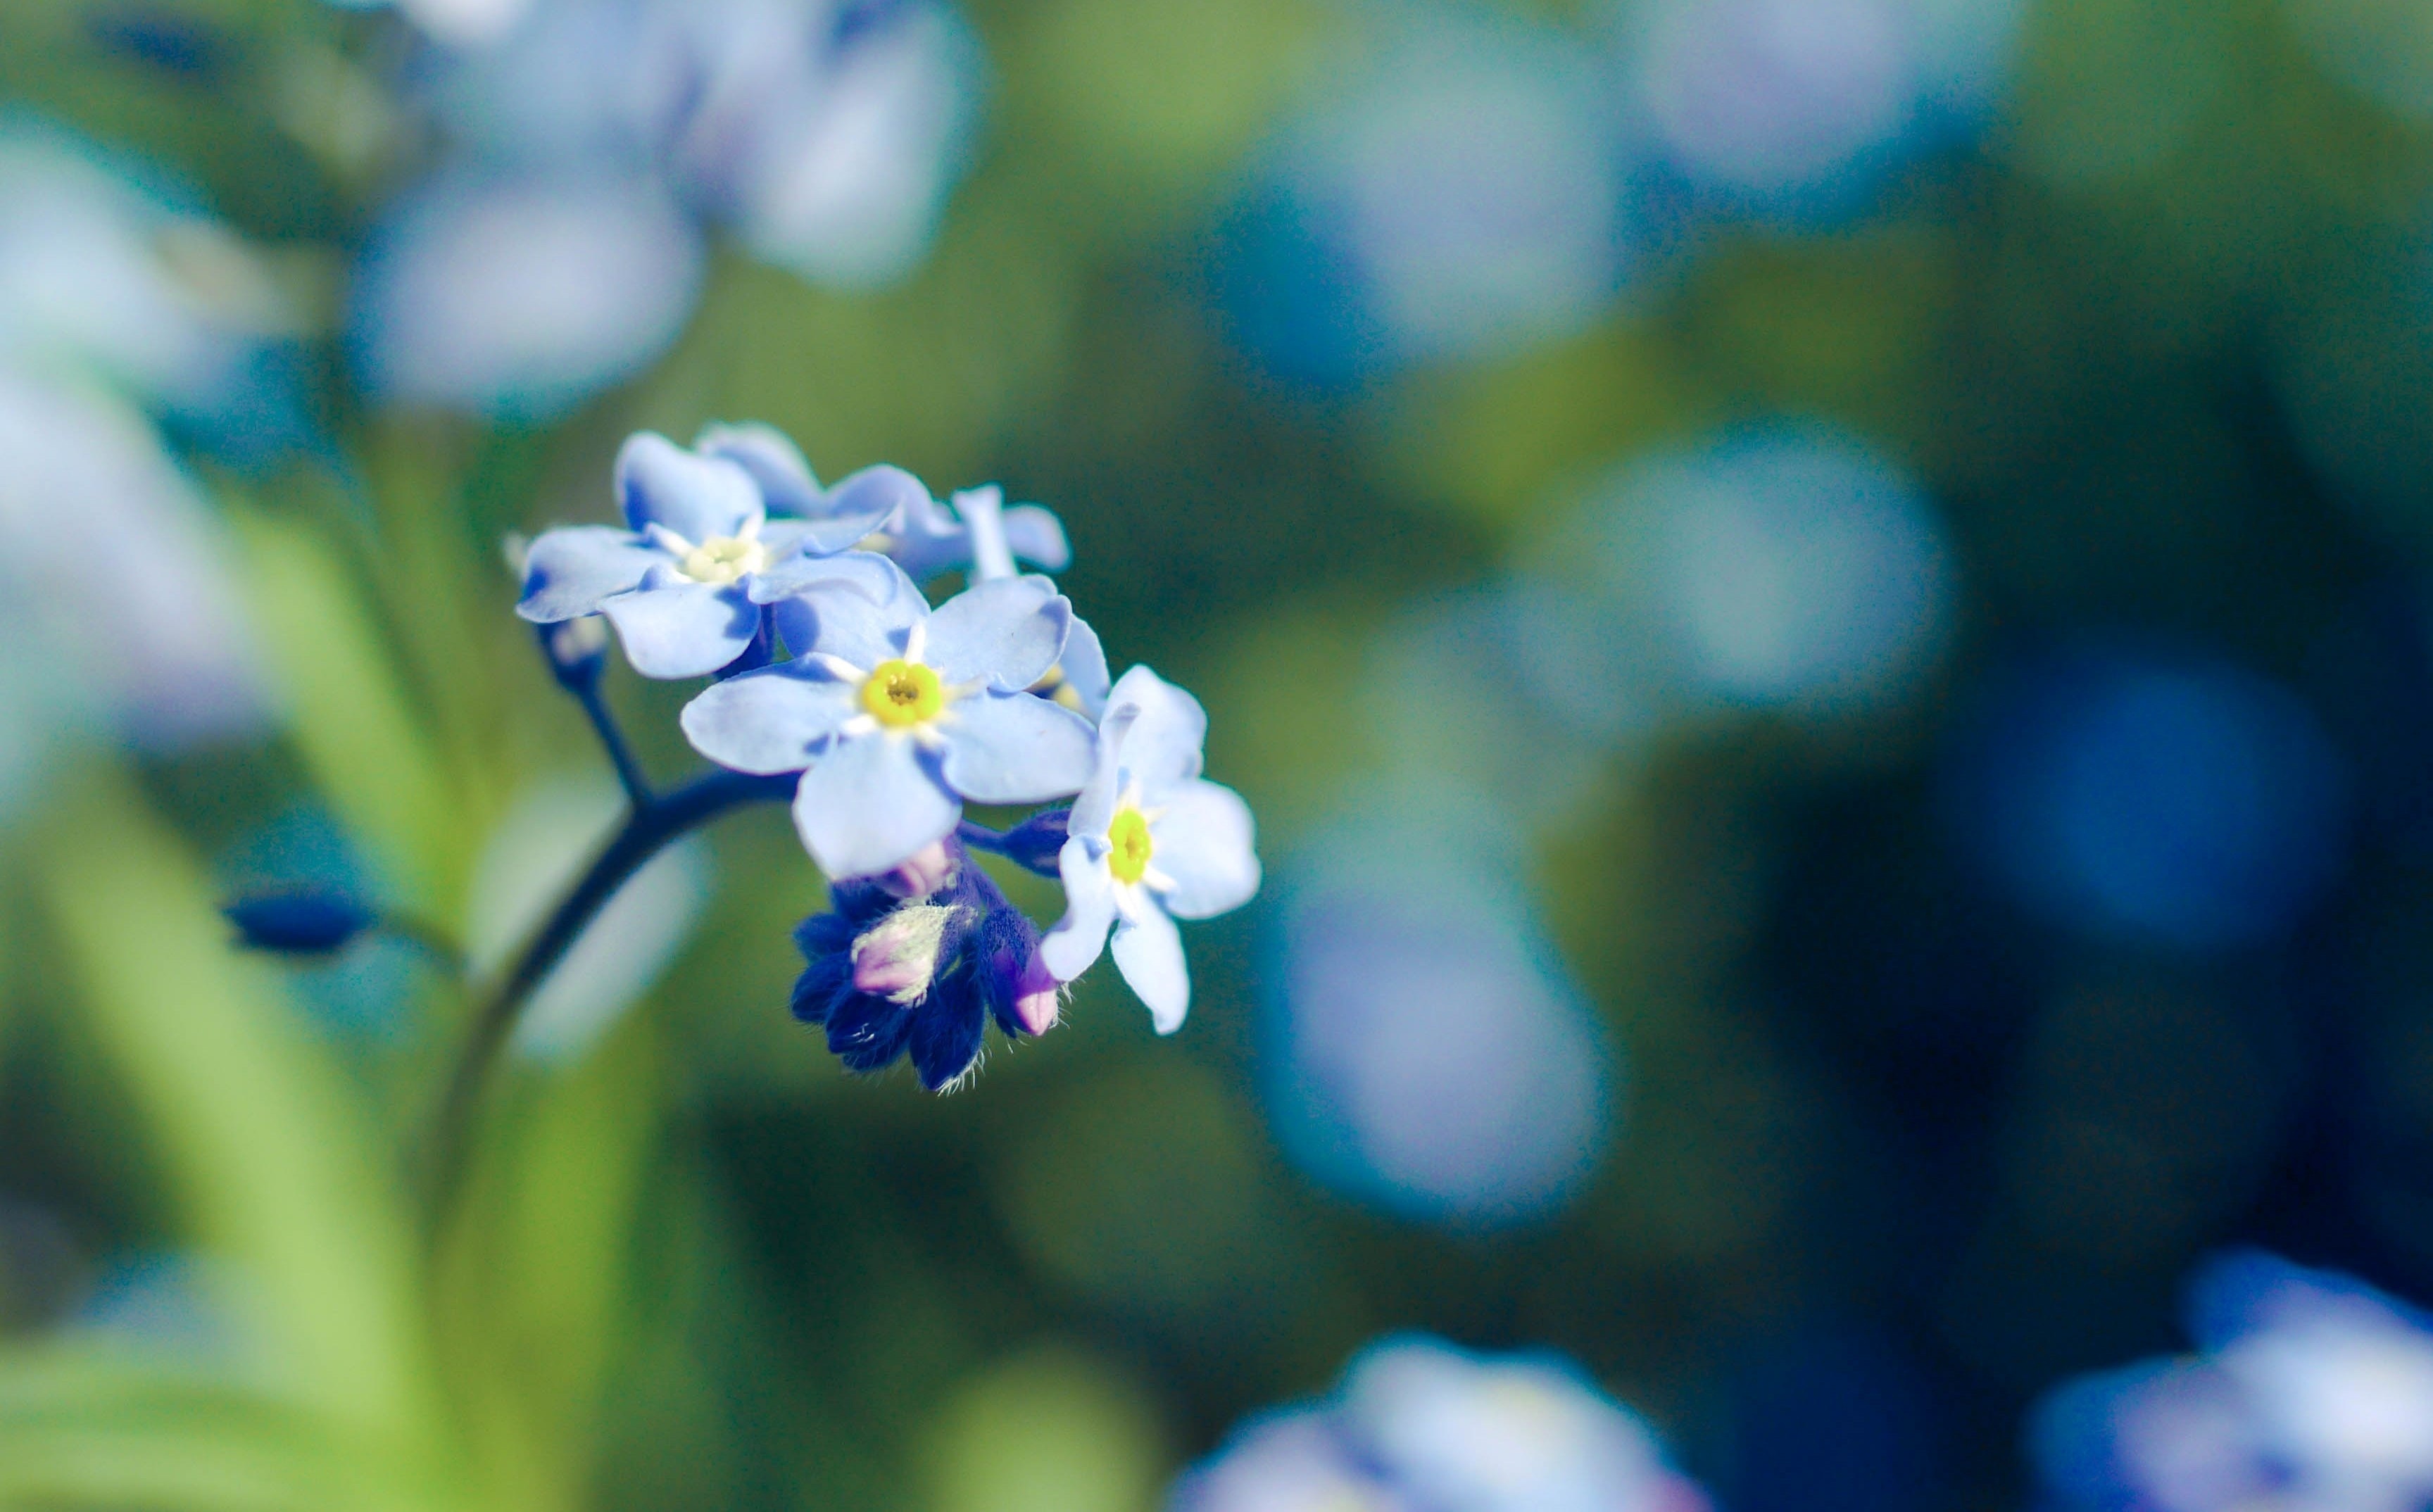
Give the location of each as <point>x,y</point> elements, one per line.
<point>1795,109</point>
<point>2175,799</point>
<point>156,647</point>
<point>1467,190</point>
<point>900,714</point>
<point>684,585</point>
<point>1152,841</point>
<point>2313,1393</point>
<point>109,271</point>
<point>560,247</point>
<point>1420,1426</point>
<point>1423,1049</point>
<point>918,961</point>
<point>1783,564</point>
<point>518,294</point>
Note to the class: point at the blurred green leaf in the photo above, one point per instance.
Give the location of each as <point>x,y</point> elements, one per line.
<point>267,1152</point>
<point>352,718</point>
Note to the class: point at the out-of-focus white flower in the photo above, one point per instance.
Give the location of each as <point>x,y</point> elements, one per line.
<point>1490,1434</point>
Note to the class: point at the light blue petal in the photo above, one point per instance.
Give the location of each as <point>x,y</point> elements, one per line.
<point>1071,947</point>
<point>1203,840</point>
<point>982,512</point>
<point>774,463</point>
<point>875,499</point>
<point>1095,809</point>
<point>1037,536</point>
<point>1148,951</point>
<point>683,629</point>
<point>869,804</point>
<point>1010,630</point>
<point>698,498</point>
<point>1084,664</point>
<point>1012,748</point>
<point>840,620</point>
<point>571,570</point>
<point>868,574</point>
<point>773,719</point>
<point>929,540</point>
<point>1163,750</point>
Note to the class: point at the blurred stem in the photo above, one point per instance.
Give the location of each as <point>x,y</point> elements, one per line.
<point>650,825</point>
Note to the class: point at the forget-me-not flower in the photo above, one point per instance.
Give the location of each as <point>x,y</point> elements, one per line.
<point>679,584</point>
<point>975,532</point>
<point>1152,841</point>
<point>2315,1394</point>
<point>900,714</point>
<point>917,962</point>
<point>1420,1426</point>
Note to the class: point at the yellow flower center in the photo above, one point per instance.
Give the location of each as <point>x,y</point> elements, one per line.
<point>902,693</point>
<point>1129,835</point>
<point>721,559</point>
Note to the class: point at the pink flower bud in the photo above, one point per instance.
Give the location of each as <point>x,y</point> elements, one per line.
<point>928,870</point>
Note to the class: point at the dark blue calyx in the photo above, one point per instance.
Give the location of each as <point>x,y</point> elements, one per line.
<point>889,976</point>
<point>1033,845</point>
<point>298,921</point>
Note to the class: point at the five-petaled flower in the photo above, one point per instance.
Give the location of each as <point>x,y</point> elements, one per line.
<point>895,715</point>
<point>684,584</point>
<point>1151,842</point>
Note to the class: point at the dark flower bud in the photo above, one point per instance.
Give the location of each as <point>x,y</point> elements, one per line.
<point>888,976</point>
<point>577,649</point>
<point>1035,843</point>
<point>298,921</point>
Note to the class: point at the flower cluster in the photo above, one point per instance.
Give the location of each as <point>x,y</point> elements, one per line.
<point>2313,1393</point>
<point>1419,1426</point>
<point>804,603</point>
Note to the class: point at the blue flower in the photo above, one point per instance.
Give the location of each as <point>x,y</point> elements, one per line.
<point>679,584</point>
<point>978,532</point>
<point>1151,843</point>
<point>899,715</point>
<point>1419,1426</point>
<point>919,961</point>
<point>2315,1391</point>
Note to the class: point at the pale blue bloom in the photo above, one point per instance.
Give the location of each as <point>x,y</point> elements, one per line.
<point>901,714</point>
<point>518,292</point>
<point>2315,1394</point>
<point>1152,841</point>
<point>592,146</point>
<point>1424,1048</point>
<point>976,531</point>
<point>684,584</point>
<point>1420,1426</point>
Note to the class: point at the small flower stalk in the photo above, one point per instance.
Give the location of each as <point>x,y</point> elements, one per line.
<point>834,678</point>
